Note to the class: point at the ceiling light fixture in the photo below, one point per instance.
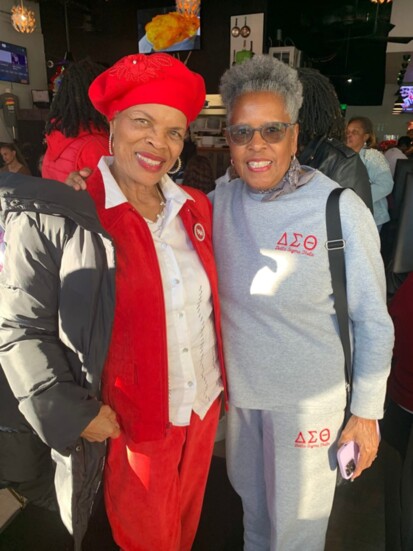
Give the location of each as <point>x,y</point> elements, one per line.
<point>23,19</point>
<point>188,7</point>
<point>380,1</point>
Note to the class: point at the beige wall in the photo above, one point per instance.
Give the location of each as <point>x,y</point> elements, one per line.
<point>402,18</point>
<point>36,57</point>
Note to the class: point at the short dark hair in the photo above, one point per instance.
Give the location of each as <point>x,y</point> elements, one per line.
<point>367,126</point>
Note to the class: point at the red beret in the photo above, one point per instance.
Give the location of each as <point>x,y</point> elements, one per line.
<point>156,78</point>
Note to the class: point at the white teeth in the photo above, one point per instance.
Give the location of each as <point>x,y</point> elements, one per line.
<point>259,164</point>
<point>148,161</point>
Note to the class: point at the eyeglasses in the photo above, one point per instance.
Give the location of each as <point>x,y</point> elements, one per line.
<point>271,132</point>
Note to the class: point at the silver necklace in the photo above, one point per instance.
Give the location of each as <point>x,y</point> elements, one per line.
<point>162,203</point>
<point>156,226</point>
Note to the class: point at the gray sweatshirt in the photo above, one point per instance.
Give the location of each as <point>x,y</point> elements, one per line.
<point>281,341</point>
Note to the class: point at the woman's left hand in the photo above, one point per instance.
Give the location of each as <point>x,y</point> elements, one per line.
<point>364,433</point>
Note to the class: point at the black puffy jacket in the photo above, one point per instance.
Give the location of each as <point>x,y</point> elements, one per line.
<point>340,163</point>
<point>57,293</point>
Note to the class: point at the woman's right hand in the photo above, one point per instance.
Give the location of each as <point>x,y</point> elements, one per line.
<point>366,435</point>
<point>77,180</point>
<point>103,426</point>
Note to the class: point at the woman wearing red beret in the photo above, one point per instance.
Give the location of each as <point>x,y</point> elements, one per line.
<point>163,374</point>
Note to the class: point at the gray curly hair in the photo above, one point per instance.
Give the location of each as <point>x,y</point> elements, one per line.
<point>262,73</point>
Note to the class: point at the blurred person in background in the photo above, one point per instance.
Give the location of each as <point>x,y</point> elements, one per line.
<point>188,151</point>
<point>321,136</point>
<point>409,132</point>
<point>198,174</point>
<point>397,426</point>
<point>40,163</point>
<point>360,137</point>
<point>398,152</point>
<point>13,160</point>
<point>76,133</point>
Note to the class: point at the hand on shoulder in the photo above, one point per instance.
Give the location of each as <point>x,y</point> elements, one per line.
<point>77,180</point>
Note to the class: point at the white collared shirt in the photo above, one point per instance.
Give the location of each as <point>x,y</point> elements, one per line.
<point>193,367</point>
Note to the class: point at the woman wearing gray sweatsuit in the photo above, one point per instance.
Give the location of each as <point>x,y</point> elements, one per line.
<point>283,351</point>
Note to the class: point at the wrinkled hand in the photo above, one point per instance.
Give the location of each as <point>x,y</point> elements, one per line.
<point>103,426</point>
<point>364,433</point>
<point>77,180</point>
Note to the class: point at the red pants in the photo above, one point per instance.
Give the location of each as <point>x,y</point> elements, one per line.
<point>154,490</point>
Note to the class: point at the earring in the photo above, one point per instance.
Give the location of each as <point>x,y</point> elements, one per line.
<point>110,144</point>
<point>178,167</point>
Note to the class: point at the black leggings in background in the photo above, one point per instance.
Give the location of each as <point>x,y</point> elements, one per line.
<point>397,433</point>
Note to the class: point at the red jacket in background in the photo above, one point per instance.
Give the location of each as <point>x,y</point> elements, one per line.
<point>65,155</point>
<point>135,377</point>
<point>400,384</point>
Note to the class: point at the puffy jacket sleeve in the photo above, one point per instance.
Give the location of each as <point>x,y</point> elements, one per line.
<point>92,151</point>
<point>31,354</point>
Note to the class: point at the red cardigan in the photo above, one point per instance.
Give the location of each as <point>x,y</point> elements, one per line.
<point>135,377</point>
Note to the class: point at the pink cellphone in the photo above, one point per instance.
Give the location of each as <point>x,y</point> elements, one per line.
<point>347,457</point>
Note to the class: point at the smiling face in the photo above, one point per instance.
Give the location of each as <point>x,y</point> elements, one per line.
<point>260,164</point>
<point>147,140</point>
<point>356,136</point>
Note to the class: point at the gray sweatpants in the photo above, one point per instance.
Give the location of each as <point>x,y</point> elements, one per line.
<point>283,466</point>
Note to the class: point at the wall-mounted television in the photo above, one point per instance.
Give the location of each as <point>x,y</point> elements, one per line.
<point>167,30</point>
<point>406,92</point>
<point>13,63</point>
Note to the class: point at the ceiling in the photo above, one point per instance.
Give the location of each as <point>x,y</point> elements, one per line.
<point>393,65</point>
<point>338,37</point>
<point>347,40</point>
